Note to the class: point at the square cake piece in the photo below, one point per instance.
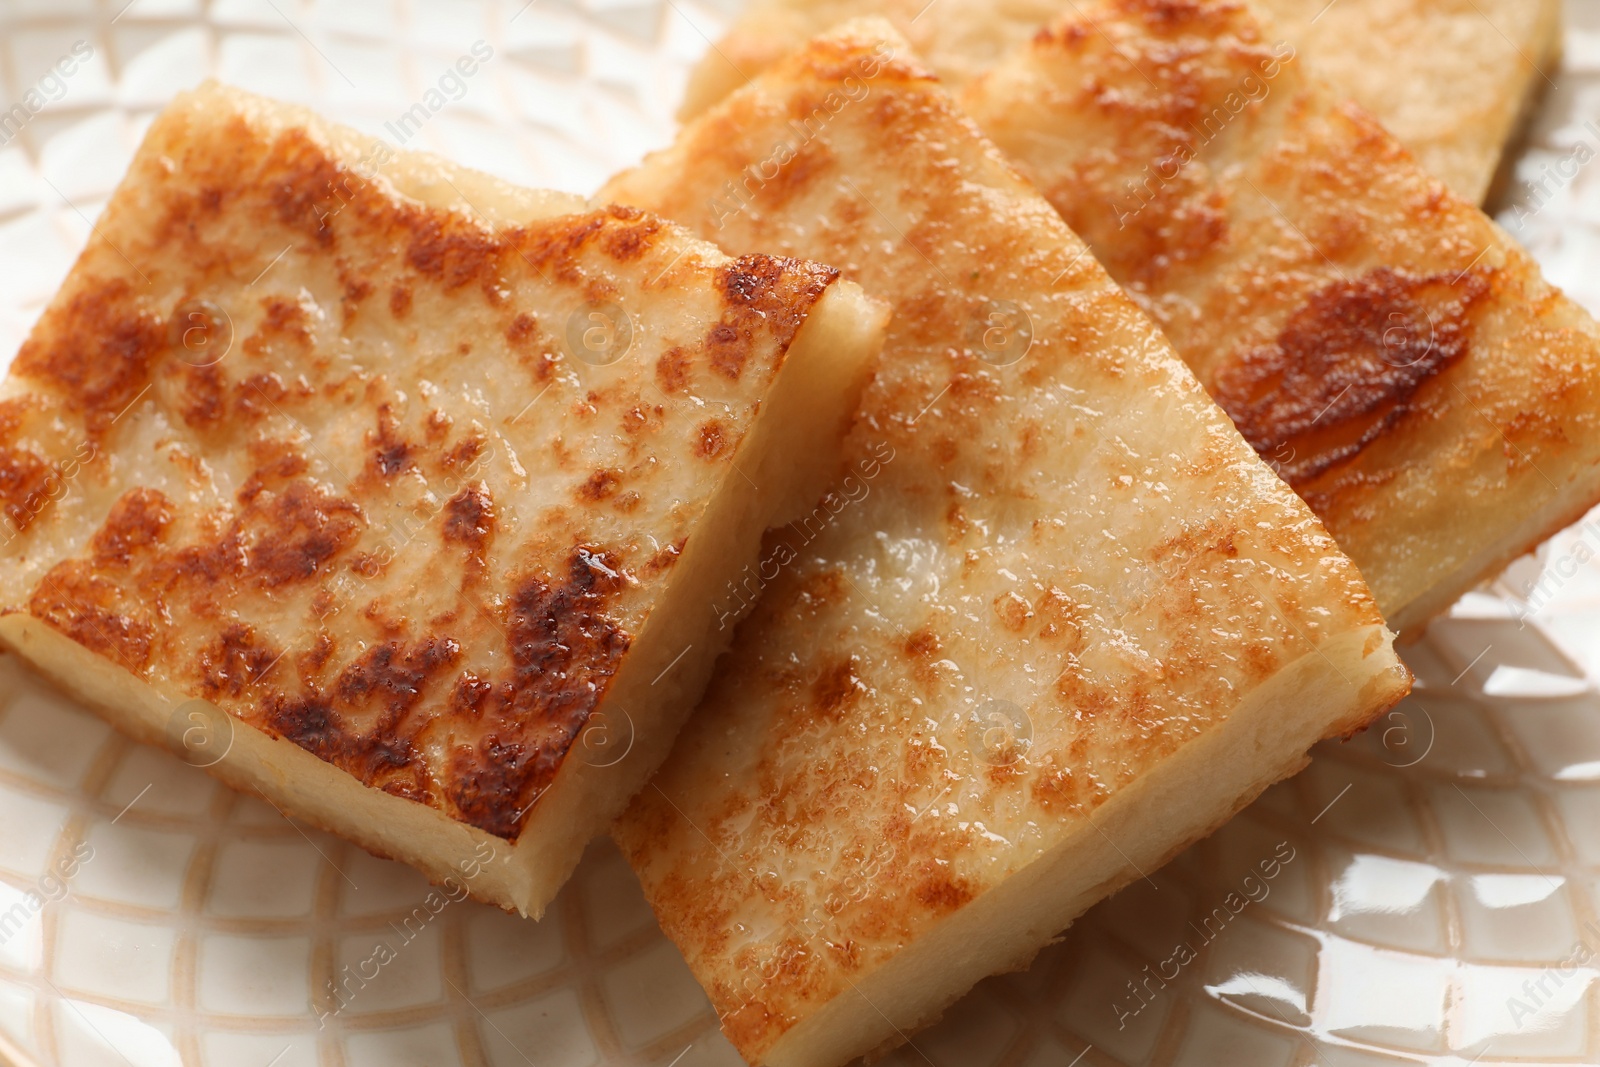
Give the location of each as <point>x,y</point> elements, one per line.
<point>400,496</point>
<point>1397,358</point>
<point>1056,621</point>
<point>1454,82</point>
<point>1451,80</point>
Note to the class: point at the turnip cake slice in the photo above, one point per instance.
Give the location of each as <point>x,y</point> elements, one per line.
<point>1381,342</point>
<point>1056,621</point>
<point>400,496</point>
<point>1452,80</point>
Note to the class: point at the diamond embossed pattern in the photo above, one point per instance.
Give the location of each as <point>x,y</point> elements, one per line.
<point>1427,893</point>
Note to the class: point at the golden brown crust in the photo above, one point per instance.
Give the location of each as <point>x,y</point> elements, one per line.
<point>1343,371</point>
<point>300,444</point>
<point>1383,345</point>
<point>1454,106</point>
<point>1450,81</point>
<point>1044,517</point>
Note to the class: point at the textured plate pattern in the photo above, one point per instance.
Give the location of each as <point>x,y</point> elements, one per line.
<point>1430,892</point>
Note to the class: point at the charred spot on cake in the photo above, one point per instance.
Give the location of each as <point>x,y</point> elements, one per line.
<point>764,296</point>
<point>468,695</point>
<point>469,517</point>
<point>298,531</point>
<point>234,661</point>
<point>773,292</point>
<point>922,648</point>
<point>469,520</point>
<point>940,891</point>
<point>96,353</point>
<point>818,589</point>
<point>597,571</point>
<point>391,453</point>
<point>922,643</point>
<point>1170,211</point>
<point>311,662</point>
<point>636,418</point>
<point>324,602</point>
<point>358,723</point>
<point>29,482</point>
<point>400,301</point>
<point>837,688</point>
<point>557,628</point>
<point>728,350</point>
<point>309,187</point>
<point>284,331</point>
<point>1181,223</point>
<point>523,331</point>
<point>600,485</point>
<point>93,610</point>
<point>672,370</point>
<point>276,463</point>
<point>1013,611</point>
<point>204,399</point>
<point>450,250</point>
<point>1061,618</point>
<point>565,649</point>
<point>488,781</point>
<point>1057,789</point>
<point>392,676</point>
<point>183,213</point>
<point>308,721</point>
<point>356,291</point>
<point>711,439</point>
<point>137,521</point>
<point>628,242</point>
<point>553,245</point>
<point>1169,15</point>
<point>790,179</point>
<point>259,395</point>
<point>1348,365</point>
<point>284,533</point>
<point>286,319</point>
<point>370,565</point>
<point>465,453</point>
<point>1069,35</point>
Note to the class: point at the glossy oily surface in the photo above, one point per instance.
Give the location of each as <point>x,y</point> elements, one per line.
<point>1052,570</point>
<point>1381,343</point>
<point>439,609</point>
<point>205,927</point>
<point>1453,105</point>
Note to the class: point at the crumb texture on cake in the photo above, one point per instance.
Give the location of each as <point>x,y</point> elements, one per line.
<point>380,456</point>
<point>1051,568</point>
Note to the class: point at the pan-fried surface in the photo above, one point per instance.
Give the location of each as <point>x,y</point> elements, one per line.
<point>376,474</point>
<point>1453,80</point>
<point>1378,340</point>
<point>1051,566</point>
<point>1450,78</point>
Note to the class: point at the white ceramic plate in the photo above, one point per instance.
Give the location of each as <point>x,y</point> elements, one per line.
<point>1438,892</point>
